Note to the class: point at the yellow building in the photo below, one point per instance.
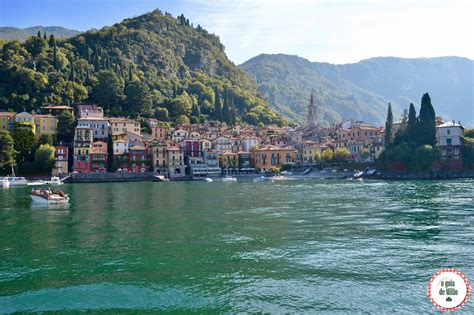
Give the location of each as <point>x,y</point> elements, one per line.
<point>271,156</point>
<point>46,125</point>
<point>7,121</point>
<point>229,160</point>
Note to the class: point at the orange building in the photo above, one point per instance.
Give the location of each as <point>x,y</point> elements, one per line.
<point>272,156</point>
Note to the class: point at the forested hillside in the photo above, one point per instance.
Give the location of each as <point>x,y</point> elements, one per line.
<point>362,90</point>
<point>151,65</point>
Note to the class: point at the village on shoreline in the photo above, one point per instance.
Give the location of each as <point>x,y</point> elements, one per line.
<point>105,145</point>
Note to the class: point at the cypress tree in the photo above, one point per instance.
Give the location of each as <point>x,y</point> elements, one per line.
<point>55,64</point>
<point>96,62</point>
<point>217,105</point>
<point>175,90</point>
<point>226,109</point>
<point>412,124</point>
<point>39,34</point>
<point>195,110</point>
<point>233,114</point>
<point>72,76</point>
<point>388,126</point>
<point>44,36</point>
<point>427,122</point>
<point>51,42</point>
<point>130,74</point>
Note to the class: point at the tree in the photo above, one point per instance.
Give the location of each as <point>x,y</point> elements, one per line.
<point>426,122</point>
<point>72,76</point>
<point>108,90</point>
<point>45,139</point>
<point>183,119</point>
<point>39,34</point>
<point>341,154</point>
<point>180,106</point>
<point>217,105</point>
<point>44,157</point>
<point>388,126</point>
<point>195,111</point>
<point>161,113</point>
<point>233,114</point>
<point>138,98</point>
<point>425,156</point>
<point>7,151</point>
<point>24,139</point>
<point>66,125</point>
<point>52,41</point>
<point>226,108</point>
<point>327,156</point>
<point>317,157</point>
<point>412,124</point>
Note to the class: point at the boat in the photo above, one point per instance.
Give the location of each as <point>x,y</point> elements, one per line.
<point>261,179</point>
<point>5,183</point>
<point>358,174</point>
<point>55,181</point>
<point>209,180</point>
<point>229,179</point>
<point>48,196</point>
<point>16,181</point>
<point>36,183</point>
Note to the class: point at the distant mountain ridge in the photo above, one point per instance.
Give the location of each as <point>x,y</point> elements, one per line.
<point>21,34</point>
<point>362,90</point>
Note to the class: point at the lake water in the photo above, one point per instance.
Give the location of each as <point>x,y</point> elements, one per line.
<point>307,246</point>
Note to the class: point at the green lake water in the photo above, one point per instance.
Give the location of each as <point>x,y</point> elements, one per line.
<point>296,246</point>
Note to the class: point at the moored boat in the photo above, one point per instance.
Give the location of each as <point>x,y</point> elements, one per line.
<point>48,196</point>
<point>229,179</point>
<point>209,180</point>
<point>5,182</point>
<point>55,181</point>
<point>16,181</point>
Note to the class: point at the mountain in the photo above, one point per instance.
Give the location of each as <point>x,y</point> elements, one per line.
<point>150,65</point>
<point>362,90</point>
<point>21,34</point>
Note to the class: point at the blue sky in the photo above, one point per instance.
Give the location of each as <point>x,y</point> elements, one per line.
<point>337,31</point>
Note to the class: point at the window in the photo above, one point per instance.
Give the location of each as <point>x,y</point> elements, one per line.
<point>449,131</point>
<point>448,141</point>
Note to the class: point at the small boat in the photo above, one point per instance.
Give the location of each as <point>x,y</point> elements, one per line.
<point>358,174</point>
<point>36,183</point>
<point>48,196</point>
<point>16,181</point>
<point>5,183</point>
<point>261,179</point>
<point>229,179</point>
<point>55,181</point>
<point>209,180</point>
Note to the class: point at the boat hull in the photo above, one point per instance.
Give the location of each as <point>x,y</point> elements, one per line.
<point>42,200</point>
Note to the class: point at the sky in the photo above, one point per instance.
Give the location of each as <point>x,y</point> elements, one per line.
<point>335,31</point>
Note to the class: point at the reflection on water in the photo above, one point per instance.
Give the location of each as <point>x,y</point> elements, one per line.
<point>335,246</point>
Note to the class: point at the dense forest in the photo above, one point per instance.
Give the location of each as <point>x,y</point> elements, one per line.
<point>361,90</point>
<point>153,65</point>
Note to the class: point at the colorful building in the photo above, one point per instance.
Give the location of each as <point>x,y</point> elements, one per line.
<point>99,156</point>
<point>449,140</point>
<point>46,124</point>
<point>271,156</point>
<point>99,126</point>
<point>7,121</point>
<point>61,160</point>
<point>122,125</point>
<point>82,149</point>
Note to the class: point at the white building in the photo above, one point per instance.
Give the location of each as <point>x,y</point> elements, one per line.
<point>120,147</point>
<point>448,139</point>
<point>100,126</point>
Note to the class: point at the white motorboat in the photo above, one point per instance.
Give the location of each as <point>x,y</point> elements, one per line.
<point>48,196</point>
<point>55,181</point>
<point>229,179</point>
<point>358,174</point>
<point>261,179</point>
<point>5,183</point>
<point>209,180</point>
<point>36,183</point>
<point>16,181</point>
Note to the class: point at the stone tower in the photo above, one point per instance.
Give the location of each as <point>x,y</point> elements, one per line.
<point>311,119</point>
